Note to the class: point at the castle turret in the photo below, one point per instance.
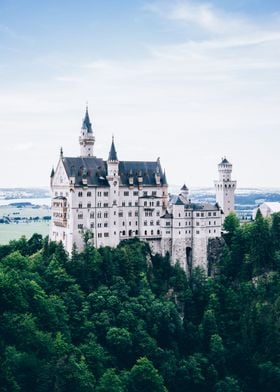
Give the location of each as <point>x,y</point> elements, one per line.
<point>86,138</point>
<point>113,180</point>
<point>225,187</point>
<point>184,193</point>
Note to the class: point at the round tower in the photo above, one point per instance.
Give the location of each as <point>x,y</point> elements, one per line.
<point>225,187</point>
<point>184,193</point>
<point>86,138</point>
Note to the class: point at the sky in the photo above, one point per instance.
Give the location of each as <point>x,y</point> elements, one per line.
<point>186,81</point>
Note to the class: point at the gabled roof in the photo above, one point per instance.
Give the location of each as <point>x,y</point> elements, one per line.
<point>184,188</point>
<point>135,169</point>
<point>176,200</point>
<point>95,171</point>
<point>92,168</point>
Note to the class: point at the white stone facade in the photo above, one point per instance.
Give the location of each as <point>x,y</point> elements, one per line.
<point>115,200</point>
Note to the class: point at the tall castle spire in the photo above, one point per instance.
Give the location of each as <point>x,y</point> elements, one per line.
<point>113,153</point>
<point>86,138</point>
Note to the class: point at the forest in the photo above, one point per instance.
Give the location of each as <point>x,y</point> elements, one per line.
<point>122,320</point>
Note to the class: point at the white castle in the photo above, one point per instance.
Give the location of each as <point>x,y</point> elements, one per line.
<point>115,200</point>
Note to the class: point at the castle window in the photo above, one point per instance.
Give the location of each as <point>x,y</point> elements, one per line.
<point>123,224</point>
<point>136,232</point>
<point>123,204</point>
<point>209,213</point>
<point>136,204</point>
<point>158,203</point>
<point>135,193</point>
<point>80,205</point>
<point>99,215</point>
<point>105,214</point>
<point>114,202</point>
<point>130,213</point>
<point>105,205</point>
<point>209,231</point>
<point>167,223</point>
<point>129,223</point>
<point>145,223</point>
<point>80,226</point>
<point>92,225</point>
<point>209,223</point>
<point>88,205</point>
<point>114,223</point>
<point>158,232</point>
<point>120,214</point>
<point>136,213</point>
<point>158,223</point>
<point>214,222</point>
<point>145,203</point>
<point>145,193</point>
<point>179,223</point>
<point>123,233</point>
<point>106,194</point>
<point>105,224</point>
<point>179,215</point>
<point>154,193</point>
<point>197,214</point>
<point>106,234</point>
<point>152,232</point>
<point>88,194</point>
<point>145,232</point>
<point>99,235</point>
<point>129,204</point>
<point>179,232</point>
<point>99,204</point>
<point>158,213</point>
<point>80,194</point>
<point>80,216</point>
<point>151,203</point>
<point>99,225</point>
<point>202,214</point>
<point>197,231</point>
<point>126,193</point>
<point>197,223</point>
<point>99,194</point>
<point>152,223</point>
<point>214,214</point>
<point>214,231</point>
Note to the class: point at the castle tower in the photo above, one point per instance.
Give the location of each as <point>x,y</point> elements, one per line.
<point>225,187</point>
<point>114,182</point>
<point>86,138</point>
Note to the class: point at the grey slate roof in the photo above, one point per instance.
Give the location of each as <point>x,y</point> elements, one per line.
<point>184,188</point>
<point>113,152</point>
<point>202,207</point>
<point>225,161</point>
<point>175,199</point>
<point>95,170</point>
<point>86,123</point>
<point>146,170</point>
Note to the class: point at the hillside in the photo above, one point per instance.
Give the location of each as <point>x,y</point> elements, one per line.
<point>113,320</point>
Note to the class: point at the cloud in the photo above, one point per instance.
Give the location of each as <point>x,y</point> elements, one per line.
<point>23,147</point>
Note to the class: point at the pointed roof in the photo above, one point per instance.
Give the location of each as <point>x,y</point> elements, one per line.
<point>164,180</point>
<point>184,188</point>
<point>86,123</point>
<point>225,161</point>
<point>113,152</point>
<point>52,172</point>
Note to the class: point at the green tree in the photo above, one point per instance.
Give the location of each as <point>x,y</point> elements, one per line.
<point>144,377</point>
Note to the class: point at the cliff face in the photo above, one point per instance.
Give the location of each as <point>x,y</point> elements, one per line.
<point>214,251</point>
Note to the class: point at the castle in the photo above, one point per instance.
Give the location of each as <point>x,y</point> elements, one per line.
<point>115,200</point>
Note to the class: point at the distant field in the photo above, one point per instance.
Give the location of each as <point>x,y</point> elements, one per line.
<point>14,231</point>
